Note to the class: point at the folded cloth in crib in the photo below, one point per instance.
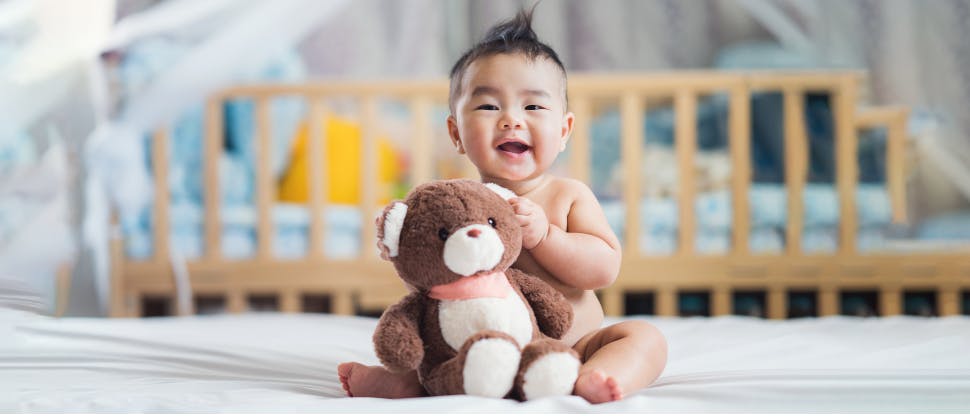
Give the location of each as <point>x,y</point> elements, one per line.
<point>659,221</point>
<point>953,226</point>
<point>821,205</point>
<point>762,240</point>
<point>239,240</point>
<point>768,207</point>
<point>658,218</point>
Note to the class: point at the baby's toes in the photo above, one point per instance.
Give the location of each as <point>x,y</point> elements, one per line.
<point>596,387</point>
<point>616,393</point>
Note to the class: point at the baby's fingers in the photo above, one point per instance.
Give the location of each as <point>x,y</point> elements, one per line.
<point>522,208</point>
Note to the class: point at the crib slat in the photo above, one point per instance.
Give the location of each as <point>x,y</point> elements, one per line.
<point>796,166</point>
<point>896,165</point>
<point>740,130</point>
<point>162,225</point>
<point>846,173</point>
<point>893,119</point>
<point>579,157</point>
<point>265,186</point>
<point>213,151</point>
<point>421,152</point>
<point>368,176</point>
<point>686,144</point>
<point>317,174</point>
<point>631,124</point>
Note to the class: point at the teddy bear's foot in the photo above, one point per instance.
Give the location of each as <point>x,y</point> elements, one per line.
<point>548,368</point>
<point>490,365</point>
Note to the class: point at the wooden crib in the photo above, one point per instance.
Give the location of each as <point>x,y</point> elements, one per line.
<point>368,283</point>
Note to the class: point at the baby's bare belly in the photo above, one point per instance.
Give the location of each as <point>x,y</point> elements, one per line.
<point>587,315</point>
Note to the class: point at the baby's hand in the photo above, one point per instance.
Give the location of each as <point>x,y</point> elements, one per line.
<point>532,218</point>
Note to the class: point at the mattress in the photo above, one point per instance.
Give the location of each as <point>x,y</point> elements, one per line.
<point>269,362</point>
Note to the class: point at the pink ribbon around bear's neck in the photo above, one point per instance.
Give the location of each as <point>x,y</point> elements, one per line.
<point>491,285</point>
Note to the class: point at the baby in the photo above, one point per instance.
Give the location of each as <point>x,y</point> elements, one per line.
<point>508,115</point>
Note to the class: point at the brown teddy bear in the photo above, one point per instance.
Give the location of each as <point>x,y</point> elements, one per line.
<point>471,324</point>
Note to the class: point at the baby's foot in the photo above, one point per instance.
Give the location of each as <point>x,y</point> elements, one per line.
<point>359,380</point>
<point>596,387</point>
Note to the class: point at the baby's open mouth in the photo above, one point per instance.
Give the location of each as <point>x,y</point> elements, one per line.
<point>513,147</point>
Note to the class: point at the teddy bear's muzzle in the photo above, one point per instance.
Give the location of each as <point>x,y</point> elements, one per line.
<point>473,248</point>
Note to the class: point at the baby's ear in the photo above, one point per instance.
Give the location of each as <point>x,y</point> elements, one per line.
<point>389,225</point>
<point>501,191</point>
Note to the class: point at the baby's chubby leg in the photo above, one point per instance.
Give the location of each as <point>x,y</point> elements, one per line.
<point>619,359</point>
<point>360,380</point>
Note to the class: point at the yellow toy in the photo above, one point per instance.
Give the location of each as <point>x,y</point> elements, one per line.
<point>343,142</point>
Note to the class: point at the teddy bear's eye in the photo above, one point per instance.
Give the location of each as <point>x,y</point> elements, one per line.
<point>442,234</point>
<point>491,221</point>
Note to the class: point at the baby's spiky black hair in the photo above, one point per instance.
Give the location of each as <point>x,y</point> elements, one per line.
<point>514,36</point>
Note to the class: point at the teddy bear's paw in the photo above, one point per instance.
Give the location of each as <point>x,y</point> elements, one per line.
<point>490,367</point>
<point>552,374</point>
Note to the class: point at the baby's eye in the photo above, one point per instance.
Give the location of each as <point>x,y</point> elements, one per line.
<point>442,234</point>
<point>489,107</point>
<point>491,221</point>
<point>534,107</point>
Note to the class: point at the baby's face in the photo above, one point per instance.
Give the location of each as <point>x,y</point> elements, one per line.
<point>510,117</point>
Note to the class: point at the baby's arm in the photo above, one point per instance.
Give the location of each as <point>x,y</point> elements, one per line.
<point>397,339</point>
<point>585,255</point>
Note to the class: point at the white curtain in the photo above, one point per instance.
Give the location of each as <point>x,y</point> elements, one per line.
<point>917,54</point>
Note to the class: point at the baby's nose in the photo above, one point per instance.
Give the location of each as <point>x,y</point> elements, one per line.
<point>474,232</point>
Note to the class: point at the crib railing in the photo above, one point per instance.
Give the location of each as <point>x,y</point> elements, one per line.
<point>367,280</point>
<point>739,271</point>
<point>342,280</point>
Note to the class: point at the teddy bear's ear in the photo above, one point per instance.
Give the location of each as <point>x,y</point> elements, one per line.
<point>389,225</point>
<point>502,192</point>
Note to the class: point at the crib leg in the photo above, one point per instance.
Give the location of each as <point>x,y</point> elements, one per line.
<point>949,301</point>
<point>63,289</point>
<point>342,303</point>
<point>613,301</point>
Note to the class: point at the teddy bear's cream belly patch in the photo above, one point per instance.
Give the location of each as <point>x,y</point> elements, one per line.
<point>460,319</point>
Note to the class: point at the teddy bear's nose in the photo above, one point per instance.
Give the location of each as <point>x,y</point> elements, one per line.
<point>473,233</point>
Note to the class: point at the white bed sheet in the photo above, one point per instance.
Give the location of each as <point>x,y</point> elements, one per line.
<point>286,363</point>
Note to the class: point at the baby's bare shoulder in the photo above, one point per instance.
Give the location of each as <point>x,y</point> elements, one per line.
<point>571,188</point>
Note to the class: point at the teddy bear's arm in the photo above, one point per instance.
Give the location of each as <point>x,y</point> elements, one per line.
<point>553,313</point>
<point>397,339</point>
